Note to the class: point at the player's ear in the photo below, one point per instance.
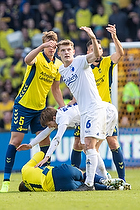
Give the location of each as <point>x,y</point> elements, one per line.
<point>58,53</point>
<point>54,118</point>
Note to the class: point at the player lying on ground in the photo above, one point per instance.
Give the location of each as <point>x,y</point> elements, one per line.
<point>61,119</point>
<point>59,178</point>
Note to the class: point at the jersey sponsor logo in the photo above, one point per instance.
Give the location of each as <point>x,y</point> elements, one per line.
<point>21,129</point>
<point>46,67</point>
<point>45,77</point>
<point>100,80</point>
<point>87,131</point>
<point>71,79</point>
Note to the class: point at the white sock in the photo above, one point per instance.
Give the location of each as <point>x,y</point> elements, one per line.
<point>101,170</point>
<point>91,164</point>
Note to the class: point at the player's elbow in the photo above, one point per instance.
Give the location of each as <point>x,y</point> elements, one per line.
<point>97,54</point>
<point>122,53</point>
<point>28,61</point>
<point>25,60</point>
<point>56,140</point>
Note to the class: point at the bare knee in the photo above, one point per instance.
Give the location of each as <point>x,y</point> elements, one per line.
<point>90,143</point>
<point>45,142</point>
<point>113,142</point>
<point>16,138</point>
<point>98,145</point>
<point>77,144</point>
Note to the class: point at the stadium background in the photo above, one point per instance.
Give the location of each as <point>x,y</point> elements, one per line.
<point>126,93</point>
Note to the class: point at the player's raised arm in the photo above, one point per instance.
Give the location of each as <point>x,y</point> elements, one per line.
<point>30,58</point>
<point>91,57</point>
<point>115,57</point>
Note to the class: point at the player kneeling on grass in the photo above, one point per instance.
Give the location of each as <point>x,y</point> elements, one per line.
<point>59,178</point>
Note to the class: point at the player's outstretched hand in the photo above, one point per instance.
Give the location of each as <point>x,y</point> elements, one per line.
<point>89,32</point>
<point>24,147</point>
<point>73,101</point>
<point>42,162</point>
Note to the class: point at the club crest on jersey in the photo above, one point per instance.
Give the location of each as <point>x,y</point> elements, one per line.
<point>72,68</point>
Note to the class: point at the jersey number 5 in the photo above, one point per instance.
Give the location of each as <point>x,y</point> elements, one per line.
<point>21,121</point>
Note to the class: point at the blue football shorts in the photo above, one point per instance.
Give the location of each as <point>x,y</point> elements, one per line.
<point>24,119</point>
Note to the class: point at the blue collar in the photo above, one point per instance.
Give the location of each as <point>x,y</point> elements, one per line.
<point>47,59</point>
<point>93,66</point>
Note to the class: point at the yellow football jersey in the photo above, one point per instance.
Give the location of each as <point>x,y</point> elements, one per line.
<point>37,82</point>
<point>103,74</point>
<point>34,179</point>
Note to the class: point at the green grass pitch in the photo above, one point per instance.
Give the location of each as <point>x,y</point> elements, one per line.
<point>95,200</point>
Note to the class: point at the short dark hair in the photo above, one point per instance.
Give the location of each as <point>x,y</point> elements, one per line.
<point>90,43</point>
<point>22,187</point>
<point>47,115</point>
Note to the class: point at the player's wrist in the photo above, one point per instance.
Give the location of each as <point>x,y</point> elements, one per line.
<point>93,38</point>
<point>30,146</point>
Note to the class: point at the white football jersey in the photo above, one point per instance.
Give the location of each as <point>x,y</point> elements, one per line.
<point>79,78</point>
<point>68,115</point>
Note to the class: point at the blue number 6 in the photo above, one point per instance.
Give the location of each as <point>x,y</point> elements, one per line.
<point>88,124</point>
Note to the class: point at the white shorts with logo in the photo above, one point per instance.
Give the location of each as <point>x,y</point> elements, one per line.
<point>93,124</point>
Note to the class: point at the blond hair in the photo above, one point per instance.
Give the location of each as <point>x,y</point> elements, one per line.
<point>50,35</point>
<point>65,42</point>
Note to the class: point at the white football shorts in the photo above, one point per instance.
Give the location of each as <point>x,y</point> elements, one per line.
<point>100,123</point>
<point>111,118</point>
<point>93,124</point>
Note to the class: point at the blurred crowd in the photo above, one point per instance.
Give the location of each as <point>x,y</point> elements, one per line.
<point>26,20</point>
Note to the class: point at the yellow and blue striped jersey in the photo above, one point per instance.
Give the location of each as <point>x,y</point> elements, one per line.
<point>103,74</point>
<point>35,180</point>
<point>37,82</point>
